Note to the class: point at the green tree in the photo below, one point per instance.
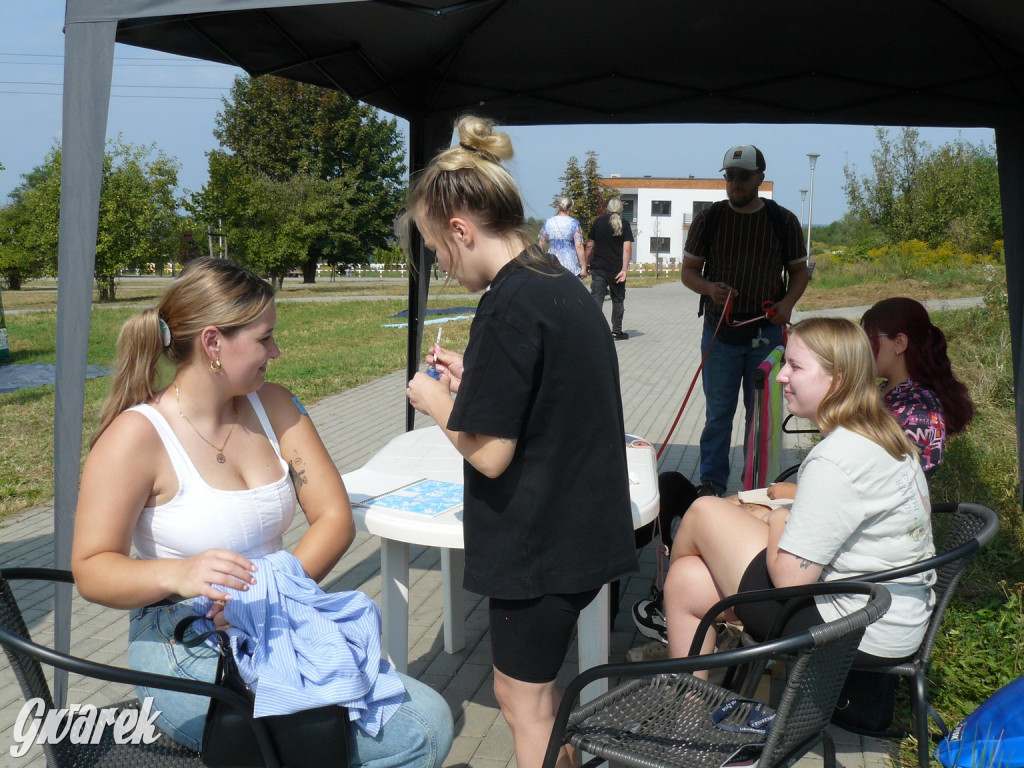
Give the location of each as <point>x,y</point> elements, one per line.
<point>573,183</point>
<point>28,225</point>
<point>334,157</point>
<point>139,223</point>
<point>916,192</point>
<point>583,185</point>
<point>138,220</point>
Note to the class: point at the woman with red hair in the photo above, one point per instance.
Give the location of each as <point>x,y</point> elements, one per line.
<point>920,390</point>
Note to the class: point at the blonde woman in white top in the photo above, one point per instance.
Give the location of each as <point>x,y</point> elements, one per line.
<point>204,474</point>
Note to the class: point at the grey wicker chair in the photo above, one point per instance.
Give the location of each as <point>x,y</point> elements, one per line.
<point>661,717</point>
<point>25,657</point>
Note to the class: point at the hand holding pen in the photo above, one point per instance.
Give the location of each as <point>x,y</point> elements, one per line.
<point>432,370</point>
<point>446,363</point>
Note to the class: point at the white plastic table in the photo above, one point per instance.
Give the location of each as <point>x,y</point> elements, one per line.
<point>428,453</point>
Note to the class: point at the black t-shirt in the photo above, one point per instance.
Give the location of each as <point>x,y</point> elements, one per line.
<point>746,253</point>
<point>541,367</point>
<point>607,246</point>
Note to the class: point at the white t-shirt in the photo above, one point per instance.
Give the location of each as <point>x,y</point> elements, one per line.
<point>859,510</point>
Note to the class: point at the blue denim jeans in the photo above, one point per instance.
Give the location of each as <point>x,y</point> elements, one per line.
<point>418,735</point>
<point>602,281</point>
<point>727,368</point>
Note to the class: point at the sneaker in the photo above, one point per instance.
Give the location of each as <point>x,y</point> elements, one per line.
<point>652,651</point>
<point>730,635</point>
<point>709,489</point>
<point>620,335</point>
<point>649,620</point>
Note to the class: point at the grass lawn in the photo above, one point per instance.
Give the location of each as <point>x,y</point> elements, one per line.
<point>326,347</point>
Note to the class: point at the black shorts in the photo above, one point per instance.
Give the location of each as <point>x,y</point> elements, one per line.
<point>530,638</point>
<point>759,618</point>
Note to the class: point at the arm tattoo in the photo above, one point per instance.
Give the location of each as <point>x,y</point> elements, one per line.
<point>298,475</point>
<point>805,564</point>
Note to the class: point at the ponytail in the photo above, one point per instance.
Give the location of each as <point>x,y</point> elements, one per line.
<point>139,349</point>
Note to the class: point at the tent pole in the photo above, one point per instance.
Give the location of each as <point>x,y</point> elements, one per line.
<point>419,278</point>
<point>425,136</point>
<point>88,68</point>
<point>1010,149</point>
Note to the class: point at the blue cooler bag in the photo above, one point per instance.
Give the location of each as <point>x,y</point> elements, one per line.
<point>992,735</point>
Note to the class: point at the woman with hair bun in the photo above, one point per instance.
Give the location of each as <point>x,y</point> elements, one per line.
<point>928,401</point>
<point>538,419</point>
<point>201,476</point>
<point>561,235</point>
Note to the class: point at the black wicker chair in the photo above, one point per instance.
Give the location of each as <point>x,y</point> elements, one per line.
<point>25,657</point>
<point>662,716</point>
<point>970,528</point>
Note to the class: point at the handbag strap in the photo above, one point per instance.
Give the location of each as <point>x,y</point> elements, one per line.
<point>227,667</point>
<point>179,635</point>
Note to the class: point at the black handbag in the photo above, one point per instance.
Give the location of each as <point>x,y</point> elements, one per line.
<point>312,737</point>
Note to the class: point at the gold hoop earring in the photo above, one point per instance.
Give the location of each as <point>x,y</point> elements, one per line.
<point>215,365</point>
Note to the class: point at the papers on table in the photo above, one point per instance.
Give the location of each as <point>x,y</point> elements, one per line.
<point>760,496</point>
<point>411,494</point>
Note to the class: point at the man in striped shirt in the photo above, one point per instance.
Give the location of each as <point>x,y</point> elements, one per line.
<point>752,249</point>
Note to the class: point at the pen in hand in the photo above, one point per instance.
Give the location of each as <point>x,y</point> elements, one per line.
<point>432,371</point>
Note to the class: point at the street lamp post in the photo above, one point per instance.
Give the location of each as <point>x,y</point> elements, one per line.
<point>803,202</point>
<point>813,158</point>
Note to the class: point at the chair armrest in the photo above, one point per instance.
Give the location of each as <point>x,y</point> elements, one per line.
<point>764,595</point>
<point>125,675</point>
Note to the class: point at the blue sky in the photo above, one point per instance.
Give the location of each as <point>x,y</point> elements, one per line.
<point>171,102</point>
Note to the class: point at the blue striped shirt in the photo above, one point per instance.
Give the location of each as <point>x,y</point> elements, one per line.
<point>300,647</point>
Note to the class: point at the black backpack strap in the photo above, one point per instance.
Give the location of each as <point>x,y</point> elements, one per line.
<point>712,215</point>
<point>778,221</point>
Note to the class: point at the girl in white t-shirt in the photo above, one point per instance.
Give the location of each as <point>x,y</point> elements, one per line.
<point>861,506</point>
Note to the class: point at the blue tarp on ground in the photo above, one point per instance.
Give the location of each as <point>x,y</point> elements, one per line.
<point>15,377</point>
<point>440,311</point>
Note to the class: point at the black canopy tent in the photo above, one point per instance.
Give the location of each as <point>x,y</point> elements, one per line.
<point>531,62</point>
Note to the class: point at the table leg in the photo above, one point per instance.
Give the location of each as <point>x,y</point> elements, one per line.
<point>394,599</point>
<point>453,563</point>
<point>592,635</point>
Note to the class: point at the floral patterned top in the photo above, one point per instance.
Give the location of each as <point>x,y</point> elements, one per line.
<point>919,413</point>
<point>563,233</point>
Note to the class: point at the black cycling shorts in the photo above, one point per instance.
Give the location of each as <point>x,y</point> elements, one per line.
<point>530,638</point>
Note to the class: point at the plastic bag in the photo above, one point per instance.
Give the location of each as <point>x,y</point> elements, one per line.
<point>992,735</point>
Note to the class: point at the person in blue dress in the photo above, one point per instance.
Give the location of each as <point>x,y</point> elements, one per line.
<point>562,236</point>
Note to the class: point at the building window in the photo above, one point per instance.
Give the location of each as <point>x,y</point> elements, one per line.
<point>700,205</point>
<point>629,209</point>
<point>661,244</point>
<point>661,207</point>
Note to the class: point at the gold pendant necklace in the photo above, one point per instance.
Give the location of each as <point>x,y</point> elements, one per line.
<point>220,451</point>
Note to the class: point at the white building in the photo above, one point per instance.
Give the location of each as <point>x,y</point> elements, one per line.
<point>661,210</point>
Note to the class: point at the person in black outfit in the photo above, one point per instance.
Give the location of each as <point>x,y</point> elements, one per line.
<point>609,249</point>
<point>547,517</point>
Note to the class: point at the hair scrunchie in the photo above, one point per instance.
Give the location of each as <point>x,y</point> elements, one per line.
<point>165,332</point>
